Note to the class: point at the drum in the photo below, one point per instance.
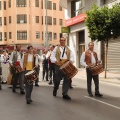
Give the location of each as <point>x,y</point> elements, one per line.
<point>96,69</point>
<point>69,69</point>
<point>31,76</point>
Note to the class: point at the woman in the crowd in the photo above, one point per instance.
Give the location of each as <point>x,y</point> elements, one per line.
<point>4,65</point>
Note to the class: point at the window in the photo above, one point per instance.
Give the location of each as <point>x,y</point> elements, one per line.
<point>60,35</point>
<point>10,35</point>
<point>60,8</point>
<point>4,5</point>
<point>21,19</point>
<point>41,4</point>
<point>0,21</point>
<point>42,35</point>
<point>54,36</point>
<point>21,3</point>
<point>0,5</point>
<point>54,6</point>
<point>9,19</point>
<point>5,36</point>
<point>49,5</point>
<point>60,21</point>
<point>37,19</point>
<point>54,21</point>
<point>9,3</point>
<point>0,36</point>
<point>5,21</point>
<point>36,3</point>
<point>42,20</point>
<point>37,35</point>
<point>49,20</point>
<point>50,36</point>
<point>21,35</point>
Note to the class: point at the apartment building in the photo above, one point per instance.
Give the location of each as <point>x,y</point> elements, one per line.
<point>27,22</point>
<point>78,36</point>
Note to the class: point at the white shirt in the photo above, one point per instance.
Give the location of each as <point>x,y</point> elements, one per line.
<point>4,58</point>
<point>53,55</point>
<point>82,59</point>
<point>30,59</point>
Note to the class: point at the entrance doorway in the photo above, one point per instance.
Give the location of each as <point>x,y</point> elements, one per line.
<point>81,43</point>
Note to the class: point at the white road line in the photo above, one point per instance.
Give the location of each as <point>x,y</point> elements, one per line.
<point>103,102</point>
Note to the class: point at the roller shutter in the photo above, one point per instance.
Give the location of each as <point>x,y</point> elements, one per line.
<point>113,55</point>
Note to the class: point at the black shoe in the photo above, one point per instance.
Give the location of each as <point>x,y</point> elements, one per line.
<point>0,88</point>
<point>31,100</point>
<point>36,85</point>
<point>50,83</point>
<point>66,97</point>
<point>28,102</point>
<point>90,94</point>
<point>70,87</point>
<point>98,95</point>
<point>22,92</point>
<point>54,92</point>
<point>14,90</point>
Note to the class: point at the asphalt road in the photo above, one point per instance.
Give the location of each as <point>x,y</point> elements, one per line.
<point>46,107</point>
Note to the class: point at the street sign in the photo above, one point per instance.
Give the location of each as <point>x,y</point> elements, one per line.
<point>65,30</point>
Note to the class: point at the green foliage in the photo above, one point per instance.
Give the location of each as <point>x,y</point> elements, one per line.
<point>101,22</point>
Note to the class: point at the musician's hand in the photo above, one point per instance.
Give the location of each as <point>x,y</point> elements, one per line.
<point>87,66</point>
<point>56,62</point>
<point>99,61</point>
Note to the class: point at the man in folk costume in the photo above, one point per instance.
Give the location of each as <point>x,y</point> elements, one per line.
<point>29,63</point>
<point>16,63</point>
<point>59,55</point>
<point>88,58</point>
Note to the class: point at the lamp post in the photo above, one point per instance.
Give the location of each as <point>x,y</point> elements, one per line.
<point>46,35</point>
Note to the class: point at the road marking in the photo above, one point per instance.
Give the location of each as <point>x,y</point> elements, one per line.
<point>103,102</point>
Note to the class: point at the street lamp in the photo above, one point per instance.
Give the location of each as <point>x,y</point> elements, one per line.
<point>46,35</point>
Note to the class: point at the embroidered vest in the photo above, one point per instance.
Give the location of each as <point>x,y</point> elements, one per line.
<point>58,53</point>
<point>88,57</point>
<point>28,65</point>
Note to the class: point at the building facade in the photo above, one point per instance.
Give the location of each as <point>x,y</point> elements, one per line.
<point>24,22</point>
<point>79,36</point>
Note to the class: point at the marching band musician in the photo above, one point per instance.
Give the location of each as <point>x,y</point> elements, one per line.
<point>16,63</point>
<point>29,63</point>
<point>60,54</point>
<point>90,57</point>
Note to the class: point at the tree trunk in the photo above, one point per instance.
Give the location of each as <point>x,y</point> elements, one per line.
<point>106,53</point>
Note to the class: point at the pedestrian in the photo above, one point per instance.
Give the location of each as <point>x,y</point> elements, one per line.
<point>59,55</point>
<point>5,65</point>
<point>17,71</point>
<point>37,68</point>
<point>29,63</point>
<point>51,67</point>
<point>88,58</point>
<point>45,65</point>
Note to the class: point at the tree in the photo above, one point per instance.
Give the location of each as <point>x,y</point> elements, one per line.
<point>103,24</point>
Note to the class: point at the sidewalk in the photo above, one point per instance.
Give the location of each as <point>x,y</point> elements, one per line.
<point>112,77</point>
